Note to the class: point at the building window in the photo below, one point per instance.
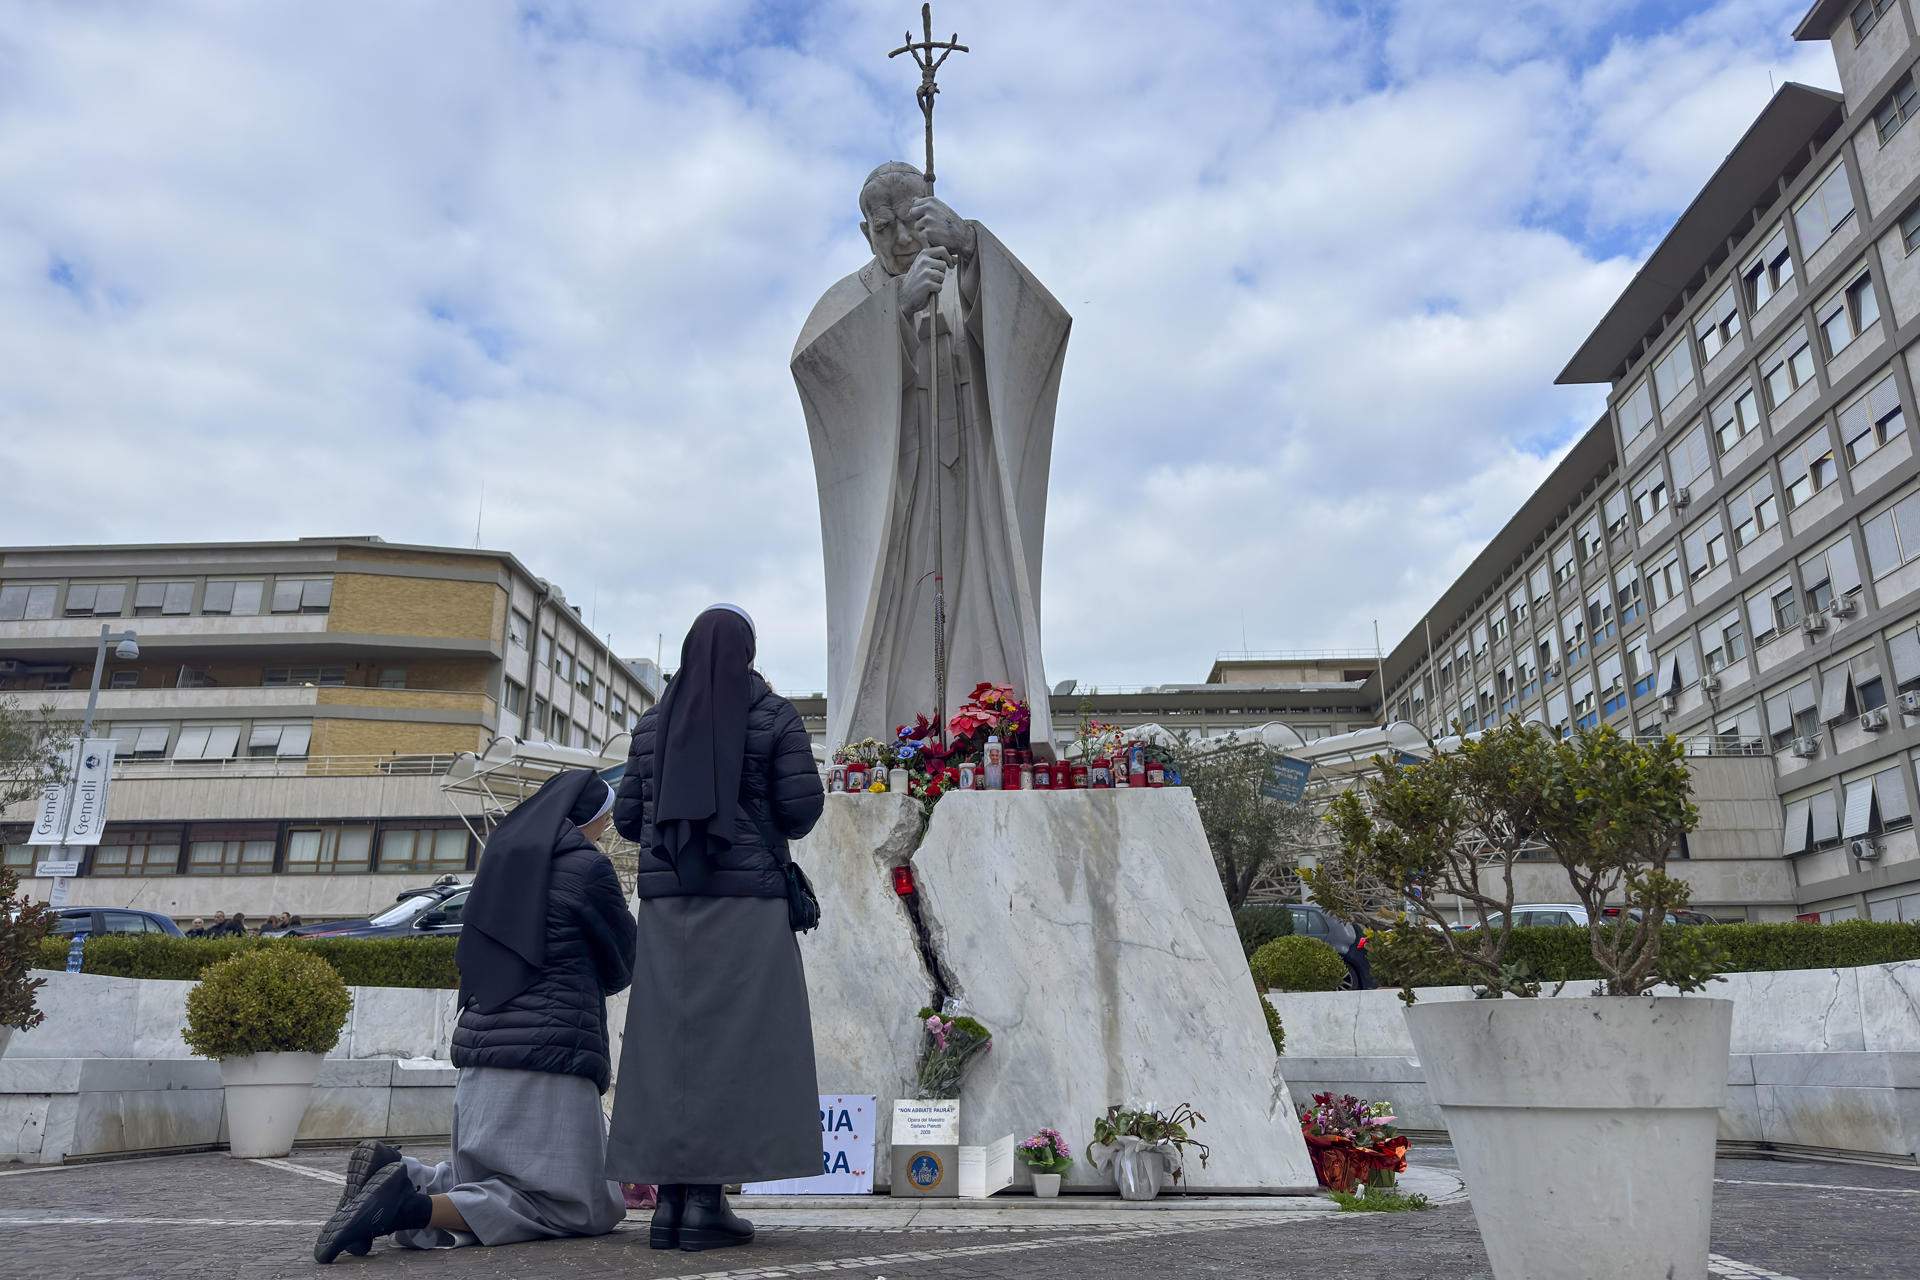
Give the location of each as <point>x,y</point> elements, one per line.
<point>239,597</point>
<point>25,602</point>
<point>1875,804</point>
<point>543,653</point>
<point>238,856</point>
<point>302,595</point>
<point>515,697</point>
<point>1791,714</point>
<point>1663,581</point>
<point>1687,460</point>
<point>1636,412</point>
<point>1871,420</point>
<point>583,676</point>
<point>1674,373</point>
<point>1719,324</point>
<point>1895,109</point>
<point>157,599</point>
<point>563,664</point>
<point>1866,16</point>
<point>1808,468</point>
<point>519,626</point>
<point>1753,511</point>
<point>423,849</point>
<point>1706,547</point>
<point>393,677</point>
<point>1563,564</point>
<point>328,850</point>
<point>1627,594</point>
<point>126,679</point>
<point>316,677</point>
<point>1725,641</point>
<point>137,851</point>
<point>1614,510</point>
<point>599,694</point>
<point>1849,314</point>
<point>1600,614</point>
<point>1893,536</point>
<point>560,730</point>
<point>1826,210</point>
<point>1640,666</point>
<point>1735,418</point>
<point>1769,271</point>
<point>1910,228</point>
<point>539,716</point>
<point>98,599</point>
<point>1788,370</point>
<point>1829,574</point>
<point>141,741</point>
<point>207,742</point>
<point>1650,494</point>
<point>279,741</point>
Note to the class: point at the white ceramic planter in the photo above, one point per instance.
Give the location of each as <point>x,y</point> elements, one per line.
<point>1584,1127</point>
<point>267,1095</point>
<point>1046,1186</point>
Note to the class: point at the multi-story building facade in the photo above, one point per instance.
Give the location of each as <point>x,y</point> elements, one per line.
<point>283,732</point>
<point>1314,694</point>
<point>1732,553</point>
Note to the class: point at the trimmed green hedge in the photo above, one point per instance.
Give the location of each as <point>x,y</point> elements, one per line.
<point>1298,964</point>
<point>1260,925</point>
<point>1563,954</point>
<point>360,962</point>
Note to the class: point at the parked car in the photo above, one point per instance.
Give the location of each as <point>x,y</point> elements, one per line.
<point>394,921</point>
<point>1312,921</point>
<point>1548,914</point>
<point>95,921</point>
<point>421,915</point>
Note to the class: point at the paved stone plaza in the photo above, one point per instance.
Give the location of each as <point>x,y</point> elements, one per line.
<point>211,1216</point>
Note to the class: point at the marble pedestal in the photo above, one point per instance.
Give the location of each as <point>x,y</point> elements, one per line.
<point>1089,932</point>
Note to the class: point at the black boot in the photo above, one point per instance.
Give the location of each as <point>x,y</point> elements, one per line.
<point>670,1205</point>
<point>709,1223</point>
<point>386,1204</point>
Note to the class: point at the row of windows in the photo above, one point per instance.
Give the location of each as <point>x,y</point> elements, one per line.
<point>34,601</point>
<point>416,846</point>
<point>268,740</point>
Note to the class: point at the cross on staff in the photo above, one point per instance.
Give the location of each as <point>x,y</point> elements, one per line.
<point>923,54</point>
<point>929,54</point>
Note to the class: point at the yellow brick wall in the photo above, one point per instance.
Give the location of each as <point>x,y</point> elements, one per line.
<point>388,737</point>
<point>368,604</point>
<point>409,699</point>
<point>436,559</point>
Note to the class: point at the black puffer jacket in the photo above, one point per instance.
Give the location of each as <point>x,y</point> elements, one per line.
<point>559,1024</point>
<point>780,800</point>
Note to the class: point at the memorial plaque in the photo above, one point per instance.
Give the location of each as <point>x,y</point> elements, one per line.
<point>926,1147</point>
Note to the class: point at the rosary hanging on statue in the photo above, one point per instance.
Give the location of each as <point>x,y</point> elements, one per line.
<point>929,54</point>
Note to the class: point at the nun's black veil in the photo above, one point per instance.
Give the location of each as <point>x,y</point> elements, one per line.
<point>702,740</point>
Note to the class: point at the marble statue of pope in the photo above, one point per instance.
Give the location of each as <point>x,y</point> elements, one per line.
<point>863,366</point>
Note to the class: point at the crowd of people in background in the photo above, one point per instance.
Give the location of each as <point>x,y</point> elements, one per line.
<point>235,926</point>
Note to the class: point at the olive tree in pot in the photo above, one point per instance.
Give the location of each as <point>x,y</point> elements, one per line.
<point>1584,1125</point>
<point>269,1014</point>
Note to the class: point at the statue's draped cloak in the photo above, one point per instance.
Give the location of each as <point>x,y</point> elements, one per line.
<point>862,373</point>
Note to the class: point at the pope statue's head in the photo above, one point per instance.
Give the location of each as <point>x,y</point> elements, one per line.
<point>886,213</point>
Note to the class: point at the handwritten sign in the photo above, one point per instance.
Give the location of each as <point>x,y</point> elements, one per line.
<point>846,1152</point>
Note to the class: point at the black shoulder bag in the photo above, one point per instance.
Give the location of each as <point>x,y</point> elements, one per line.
<point>803,905</point>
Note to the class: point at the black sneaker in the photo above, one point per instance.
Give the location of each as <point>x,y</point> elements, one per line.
<point>664,1232</point>
<point>709,1223</point>
<point>367,1158</point>
<point>375,1211</point>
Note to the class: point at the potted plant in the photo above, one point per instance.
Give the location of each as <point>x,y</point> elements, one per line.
<point>22,925</point>
<point>269,1014</point>
<point>1146,1148</point>
<point>1352,1142</point>
<point>1047,1156</point>
<point>953,1042</point>
<point>1631,1081</point>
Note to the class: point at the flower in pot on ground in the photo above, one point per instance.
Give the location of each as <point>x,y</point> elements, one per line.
<point>1143,1145</point>
<point>952,1045</point>
<point>271,999</point>
<point>1353,1142</point>
<point>1298,964</point>
<point>1046,1152</point>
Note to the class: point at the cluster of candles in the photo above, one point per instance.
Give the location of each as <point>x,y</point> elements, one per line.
<point>1013,770</point>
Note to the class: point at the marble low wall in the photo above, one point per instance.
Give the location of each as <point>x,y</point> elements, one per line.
<point>1823,1058</point>
<point>54,1109</point>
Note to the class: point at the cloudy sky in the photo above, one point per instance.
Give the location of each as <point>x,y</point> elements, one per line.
<point>271,270</point>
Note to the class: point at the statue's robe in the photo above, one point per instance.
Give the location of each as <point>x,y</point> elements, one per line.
<point>862,368</point>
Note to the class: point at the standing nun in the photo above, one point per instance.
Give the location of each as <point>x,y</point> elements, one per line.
<point>545,938</point>
<point>717,1071</point>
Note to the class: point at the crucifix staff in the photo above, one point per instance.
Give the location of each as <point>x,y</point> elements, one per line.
<point>929,54</point>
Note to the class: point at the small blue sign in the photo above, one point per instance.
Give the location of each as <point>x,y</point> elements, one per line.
<point>1287,782</point>
<point>76,952</point>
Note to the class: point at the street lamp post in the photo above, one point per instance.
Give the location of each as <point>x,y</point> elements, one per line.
<point>126,647</point>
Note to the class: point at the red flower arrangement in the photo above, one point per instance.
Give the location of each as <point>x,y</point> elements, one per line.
<point>1352,1141</point>
<point>992,709</point>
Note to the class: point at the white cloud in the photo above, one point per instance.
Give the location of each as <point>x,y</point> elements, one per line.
<point>330,272</point>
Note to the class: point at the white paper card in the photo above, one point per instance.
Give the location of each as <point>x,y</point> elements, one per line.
<point>926,1122</point>
<point>985,1170</point>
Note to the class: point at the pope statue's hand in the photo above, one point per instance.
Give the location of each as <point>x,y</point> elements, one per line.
<point>924,278</point>
<point>939,227</point>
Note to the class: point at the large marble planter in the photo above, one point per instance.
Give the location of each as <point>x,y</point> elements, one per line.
<point>1584,1126</point>
<point>6,1034</point>
<point>266,1096</point>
